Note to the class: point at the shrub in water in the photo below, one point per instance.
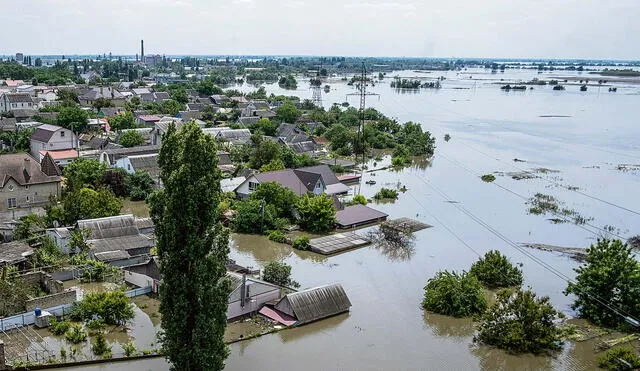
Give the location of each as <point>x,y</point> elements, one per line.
<point>59,327</point>
<point>611,360</point>
<point>494,270</point>
<point>453,294</point>
<point>76,334</point>
<point>301,243</point>
<point>277,236</point>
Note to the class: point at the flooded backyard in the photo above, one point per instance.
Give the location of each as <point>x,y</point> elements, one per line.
<point>582,136</point>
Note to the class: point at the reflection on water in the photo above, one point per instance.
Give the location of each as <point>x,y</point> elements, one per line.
<point>313,328</point>
<point>449,326</point>
<point>395,245</point>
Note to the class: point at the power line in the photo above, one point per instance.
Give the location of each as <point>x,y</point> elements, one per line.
<point>545,265</point>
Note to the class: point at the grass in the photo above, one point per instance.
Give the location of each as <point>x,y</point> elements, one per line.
<point>137,208</point>
<point>541,204</point>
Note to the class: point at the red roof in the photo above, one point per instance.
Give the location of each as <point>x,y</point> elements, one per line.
<point>277,316</point>
<point>62,154</point>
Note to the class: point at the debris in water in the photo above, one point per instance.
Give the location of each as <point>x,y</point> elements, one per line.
<point>518,160</point>
<point>628,167</point>
<point>541,204</point>
<point>575,252</point>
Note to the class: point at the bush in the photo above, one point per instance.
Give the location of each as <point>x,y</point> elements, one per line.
<point>520,323</point>
<point>612,274</point>
<point>277,236</point>
<point>611,359</point>
<point>357,200</point>
<point>400,161</point>
<point>96,325</point>
<point>278,273</point>
<point>386,193</point>
<point>131,138</point>
<point>129,349</point>
<point>76,334</point>
<point>59,327</point>
<point>452,294</point>
<point>100,346</point>
<point>494,271</point>
<point>488,178</point>
<point>112,307</point>
<point>302,243</point>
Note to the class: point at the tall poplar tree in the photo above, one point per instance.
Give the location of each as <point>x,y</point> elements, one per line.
<point>193,249</point>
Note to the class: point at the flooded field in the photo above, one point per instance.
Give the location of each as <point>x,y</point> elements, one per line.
<point>582,136</point>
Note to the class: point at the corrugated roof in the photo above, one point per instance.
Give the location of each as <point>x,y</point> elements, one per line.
<point>124,243</point>
<point>108,256</point>
<point>19,98</point>
<point>61,154</point>
<point>112,226</point>
<point>316,303</point>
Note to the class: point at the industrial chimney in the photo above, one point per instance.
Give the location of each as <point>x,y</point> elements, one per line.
<point>142,51</point>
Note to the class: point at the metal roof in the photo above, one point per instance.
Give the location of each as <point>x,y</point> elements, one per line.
<point>316,303</point>
<point>14,252</point>
<point>112,226</point>
<point>358,215</point>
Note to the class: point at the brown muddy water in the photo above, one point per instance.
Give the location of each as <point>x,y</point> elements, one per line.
<point>386,328</point>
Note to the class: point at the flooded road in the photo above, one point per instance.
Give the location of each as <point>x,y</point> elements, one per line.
<point>386,328</point>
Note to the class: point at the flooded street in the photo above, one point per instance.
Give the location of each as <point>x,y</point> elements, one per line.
<point>489,128</point>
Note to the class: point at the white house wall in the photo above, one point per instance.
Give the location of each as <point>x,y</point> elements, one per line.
<point>252,304</point>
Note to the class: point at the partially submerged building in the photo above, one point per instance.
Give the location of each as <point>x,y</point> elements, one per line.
<point>309,305</point>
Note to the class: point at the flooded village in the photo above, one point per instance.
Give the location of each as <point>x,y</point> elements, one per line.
<point>563,164</point>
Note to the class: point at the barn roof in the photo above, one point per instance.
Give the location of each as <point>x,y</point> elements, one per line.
<point>319,302</point>
<point>112,226</point>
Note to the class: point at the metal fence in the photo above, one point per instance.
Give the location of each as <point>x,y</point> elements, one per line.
<point>29,318</point>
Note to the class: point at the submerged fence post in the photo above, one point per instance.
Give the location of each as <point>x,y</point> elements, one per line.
<point>3,361</point>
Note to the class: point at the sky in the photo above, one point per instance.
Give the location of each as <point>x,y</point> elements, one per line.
<point>590,29</point>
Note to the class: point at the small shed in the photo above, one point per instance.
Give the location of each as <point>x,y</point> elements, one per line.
<point>314,304</point>
<point>358,215</point>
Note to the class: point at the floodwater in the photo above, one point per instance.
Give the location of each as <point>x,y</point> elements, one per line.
<point>386,328</point>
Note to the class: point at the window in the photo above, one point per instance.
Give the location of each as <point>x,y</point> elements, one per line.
<point>11,187</point>
<point>11,203</point>
<point>253,186</point>
<point>62,133</point>
<point>28,199</point>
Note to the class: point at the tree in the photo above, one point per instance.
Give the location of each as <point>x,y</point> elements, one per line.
<point>317,213</point>
<point>139,185</point>
<point>453,294</point>
<point>611,276</point>
<point>27,225</point>
<point>288,112</point>
<point>112,307</point>
<point>273,165</point>
<point>266,127</point>
<point>256,216</point>
<point>418,142</point>
<point>278,273</point>
<point>341,139</point>
<point>122,121</point>
<point>73,118</point>
<point>131,138</point>
<point>115,179</point>
<point>193,251</point>
<point>47,256</point>
<point>83,172</point>
<point>67,96</point>
<point>78,242</point>
<point>519,322</point>
<point>495,271</point>
<point>14,294</point>
<point>265,152</point>
<point>101,103</point>
<point>281,198</point>
<point>358,200</point>
<point>87,203</point>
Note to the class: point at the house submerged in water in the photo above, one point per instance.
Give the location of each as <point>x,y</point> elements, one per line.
<point>302,307</point>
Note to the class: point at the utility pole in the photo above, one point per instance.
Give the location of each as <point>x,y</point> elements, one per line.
<point>360,142</point>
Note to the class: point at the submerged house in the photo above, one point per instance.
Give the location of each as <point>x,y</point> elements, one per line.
<point>302,307</point>
<point>248,295</point>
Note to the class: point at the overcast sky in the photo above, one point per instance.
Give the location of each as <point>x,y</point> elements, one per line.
<point>422,28</point>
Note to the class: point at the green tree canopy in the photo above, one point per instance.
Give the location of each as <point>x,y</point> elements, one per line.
<point>193,251</point>
<point>288,113</point>
<point>283,199</point>
<point>139,185</point>
<point>122,121</point>
<point>265,152</point>
<point>519,322</point>
<point>418,142</point>
<point>73,118</point>
<point>83,172</point>
<point>266,126</point>
<point>252,218</point>
<point>453,294</point>
<point>112,307</point>
<point>87,203</point>
<point>317,213</point>
<point>610,275</point>
<point>131,138</point>
<point>278,273</point>
<point>494,270</point>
